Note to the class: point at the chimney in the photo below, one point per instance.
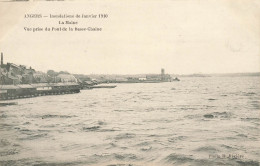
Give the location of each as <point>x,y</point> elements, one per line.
<point>162,71</point>
<point>2,59</point>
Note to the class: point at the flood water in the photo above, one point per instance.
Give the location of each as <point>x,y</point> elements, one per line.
<point>197,121</point>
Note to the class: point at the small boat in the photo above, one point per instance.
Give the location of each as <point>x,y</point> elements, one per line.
<point>104,86</point>
<point>176,79</point>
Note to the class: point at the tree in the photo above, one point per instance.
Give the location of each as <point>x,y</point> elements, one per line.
<point>52,73</point>
<point>64,72</point>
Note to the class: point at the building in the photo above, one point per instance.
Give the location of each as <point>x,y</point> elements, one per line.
<point>153,77</point>
<point>8,73</point>
<point>142,79</point>
<point>14,69</point>
<point>159,77</point>
<point>66,78</point>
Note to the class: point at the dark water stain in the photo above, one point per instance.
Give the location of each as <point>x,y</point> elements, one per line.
<point>124,110</point>
<point>26,123</point>
<point>208,149</point>
<point>6,126</point>
<point>242,135</point>
<point>208,116</point>
<point>249,93</point>
<point>8,152</point>
<point>250,119</point>
<point>121,165</point>
<point>93,128</point>
<point>32,137</point>
<point>227,147</point>
<point>143,144</point>
<point>59,163</point>
<point>188,108</point>
<point>255,105</point>
<point>181,159</point>
<point>3,116</point>
<point>125,156</point>
<point>248,163</point>
<point>218,115</point>
<point>97,158</point>
<point>211,99</point>
<point>56,116</point>
<point>108,130</point>
<point>125,136</point>
<point>101,122</point>
<point>146,148</point>
<point>4,142</point>
<point>177,138</point>
<point>163,120</point>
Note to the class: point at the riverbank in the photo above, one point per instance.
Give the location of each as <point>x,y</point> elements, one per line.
<point>9,92</point>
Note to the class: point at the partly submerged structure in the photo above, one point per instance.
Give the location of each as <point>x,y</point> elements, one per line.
<point>151,78</point>
<point>17,81</point>
<point>8,92</point>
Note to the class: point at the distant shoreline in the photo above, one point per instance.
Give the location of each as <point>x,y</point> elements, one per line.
<point>253,74</point>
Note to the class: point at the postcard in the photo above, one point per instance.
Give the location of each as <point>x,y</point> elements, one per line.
<point>129,83</point>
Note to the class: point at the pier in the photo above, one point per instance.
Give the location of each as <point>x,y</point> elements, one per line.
<point>9,92</point>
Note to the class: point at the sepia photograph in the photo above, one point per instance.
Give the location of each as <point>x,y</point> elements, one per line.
<point>130,83</point>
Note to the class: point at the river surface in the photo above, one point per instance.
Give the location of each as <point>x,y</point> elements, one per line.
<point>197,121</point>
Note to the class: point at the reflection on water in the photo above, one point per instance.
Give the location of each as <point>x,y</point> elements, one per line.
<point>197,121</point>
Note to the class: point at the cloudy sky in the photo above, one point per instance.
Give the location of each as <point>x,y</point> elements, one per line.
<point>182,36</point>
